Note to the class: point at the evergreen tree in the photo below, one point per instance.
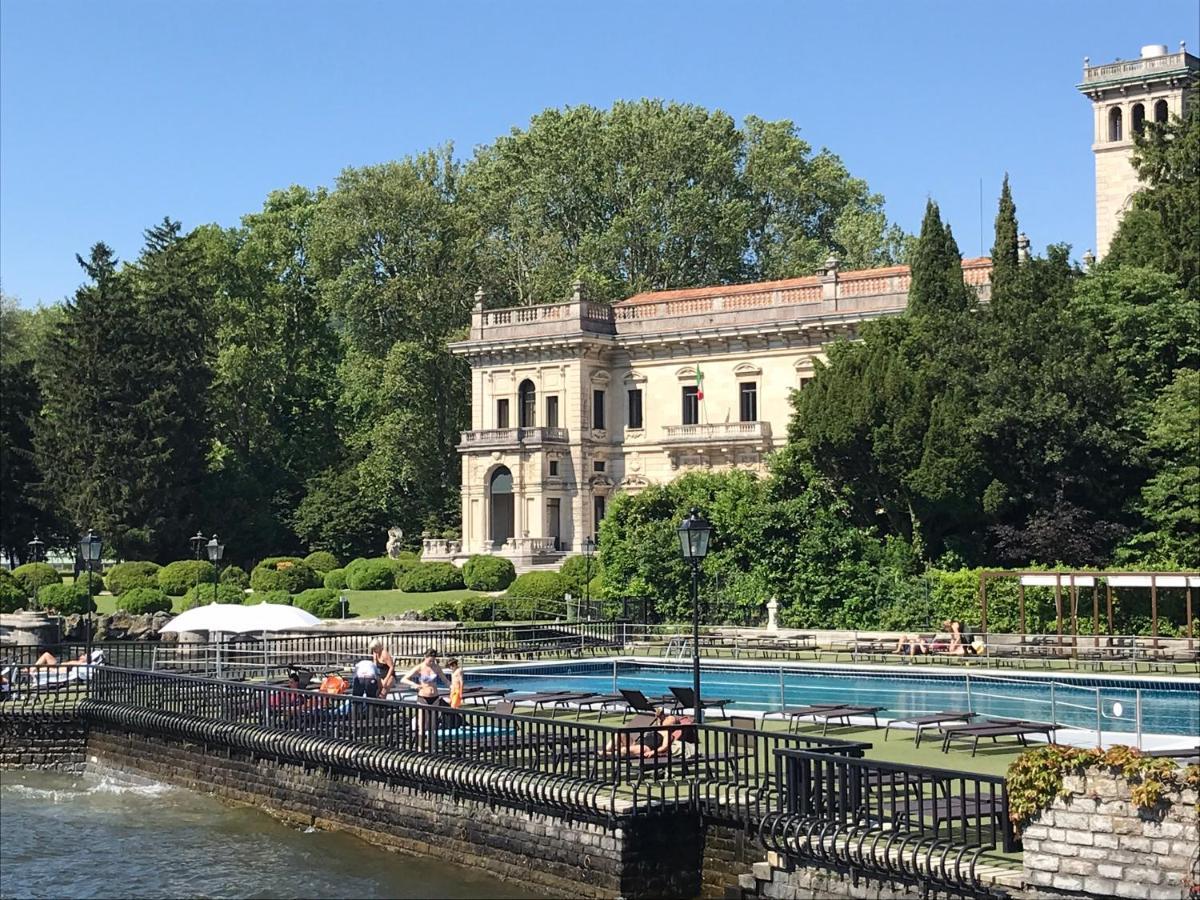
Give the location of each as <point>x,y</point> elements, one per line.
<point>1004,248</point>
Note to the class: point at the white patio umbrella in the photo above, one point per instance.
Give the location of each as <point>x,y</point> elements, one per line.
<point>236,619</point>
<point>233,618</point>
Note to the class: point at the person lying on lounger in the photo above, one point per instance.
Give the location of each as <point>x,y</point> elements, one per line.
<point>912,644</point>
<point>49,659</point>
<point>659,740</point>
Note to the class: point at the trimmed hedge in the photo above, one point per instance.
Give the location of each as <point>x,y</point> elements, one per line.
<point>280,597</point>
<point>126,576</point>
<point>140,600</point>
<point>177,578</point>
<point>427,577</point>
<point>576,572</point>
<point>488,573</point>
<point>202,594</point>
<point>284,573</point>
<point>321,602</point>
<point>322,561</point>
<point>66,599</point>
<point>370,575</point>
<point>479,609</point>
<point>335,579</point>
<point>235,575</point>
<point>538,586</point>
<point>12,595</point>
<point>33,576</point>
<point>443,611</point>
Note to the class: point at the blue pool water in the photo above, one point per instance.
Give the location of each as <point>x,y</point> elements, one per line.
<point>1167,707</point>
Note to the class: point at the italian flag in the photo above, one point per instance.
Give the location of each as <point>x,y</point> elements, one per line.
<point>699,383</point>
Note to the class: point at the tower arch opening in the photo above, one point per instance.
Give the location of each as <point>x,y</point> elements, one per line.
<point>1161,113</point>
<point>500,495</point>
<point>1114,124</point>
<point>1137,118</point>
<point>526,404</point>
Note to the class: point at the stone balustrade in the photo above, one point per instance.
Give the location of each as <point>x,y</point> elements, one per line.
<point>440,549</point>
<point>723,432</point>
<point>501,438</point>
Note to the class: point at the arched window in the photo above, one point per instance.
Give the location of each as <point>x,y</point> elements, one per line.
<point>526,404</point>
<point>1160,111</point>
<point>1137,118</point>
<point>1114,124</point>
<point>500,489</point>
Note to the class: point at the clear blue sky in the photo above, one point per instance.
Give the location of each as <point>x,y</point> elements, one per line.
<point>115,114</point>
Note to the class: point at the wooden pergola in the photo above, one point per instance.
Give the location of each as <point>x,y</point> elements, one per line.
<point>1073,581</point>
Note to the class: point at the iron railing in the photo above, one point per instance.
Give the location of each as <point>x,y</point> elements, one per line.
<point>908,823</point>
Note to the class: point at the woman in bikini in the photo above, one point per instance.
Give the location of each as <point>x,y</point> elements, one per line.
<point>385,667</point>
<point>424,678</point>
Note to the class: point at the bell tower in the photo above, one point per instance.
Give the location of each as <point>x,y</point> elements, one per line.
<point>1125,95</point>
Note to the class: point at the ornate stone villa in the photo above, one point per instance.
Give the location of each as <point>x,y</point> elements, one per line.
<point>574,401</point>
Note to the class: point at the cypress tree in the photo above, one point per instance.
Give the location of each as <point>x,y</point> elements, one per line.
<point>937,283</point>
<point>1004,249</point>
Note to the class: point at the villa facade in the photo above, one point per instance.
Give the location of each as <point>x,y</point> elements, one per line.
<point>575,401</point>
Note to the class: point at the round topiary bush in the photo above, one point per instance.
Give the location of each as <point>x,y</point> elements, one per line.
<point>576,573</point>
<point>33,576</point>
<point>322,561</point>
<point>443,611</point>
<point>284,573</point>
<point>202,594</point>
<point>544,586</point>
<point>321,602</point>
<point>175,579</point>
<point>124,577</point>
<point>141,600</point>
<point>66,599</point>
<point>335,579</point>
<point>370,575</point>
<point>488,573</point>
<point>12,595</point>
<point>282,598</point>
<point>235,575</point>
<point>436,576</point>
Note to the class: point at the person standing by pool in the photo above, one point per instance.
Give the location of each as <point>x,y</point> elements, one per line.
<point>424,678</point>
<point>456,683</point>
<point>385,667</point>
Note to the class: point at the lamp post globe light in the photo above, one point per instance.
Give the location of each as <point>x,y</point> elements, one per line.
<point>589,548</point>
<point>215,551</point>
<point>37,553</point>
<point>90,547</point>
<point>694,532</point>
<point>198,542</point>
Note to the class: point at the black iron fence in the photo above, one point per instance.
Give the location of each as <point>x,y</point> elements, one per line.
<point>622,769</point>
<point>910,823</point>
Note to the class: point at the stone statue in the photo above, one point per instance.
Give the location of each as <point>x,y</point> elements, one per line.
<point>395,536</point>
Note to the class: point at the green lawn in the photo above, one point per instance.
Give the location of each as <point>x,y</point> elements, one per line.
<point>363,604</point>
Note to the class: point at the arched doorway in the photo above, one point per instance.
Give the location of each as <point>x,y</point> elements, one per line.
<point>500,489</point>
<point>526,404</point>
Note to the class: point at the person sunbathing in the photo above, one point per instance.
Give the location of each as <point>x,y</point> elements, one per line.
<point>658,740</point>
<point>48,659</point>
<point>912,644</point>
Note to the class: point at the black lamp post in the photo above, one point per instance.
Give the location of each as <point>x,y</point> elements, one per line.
<point>37,553</point>
<point>694,532</point>
<point>589,548</point>
<point>198,542</point>
<point>90,547</point>
<point>215,551</point>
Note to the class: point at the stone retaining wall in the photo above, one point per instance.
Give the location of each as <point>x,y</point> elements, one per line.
<point>644,856</point>
<point>42,742</point>
<point>1095,842</point>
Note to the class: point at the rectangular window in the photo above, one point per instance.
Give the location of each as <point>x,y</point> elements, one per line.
<point>551,412</point>
<point>598,465</point>
<point>691,405</point>
<point>748,401</point>
<point>598,410</point>
<point>598,512</point>
<point>635,408</point>
<point>554,467</point>
<point>502,413</point>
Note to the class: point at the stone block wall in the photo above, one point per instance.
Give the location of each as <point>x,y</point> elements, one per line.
<point>1095,842</point>
<point>644,856</point>
<point>42,742</point>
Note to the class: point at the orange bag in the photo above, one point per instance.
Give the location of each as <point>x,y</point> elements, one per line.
<point>333,684</point>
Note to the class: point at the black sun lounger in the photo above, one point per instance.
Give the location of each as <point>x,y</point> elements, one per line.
<point>686,698</point>
<point>832,712</point>
<point>922,722</point>
<point>636,701</point>
<point>995,729</point>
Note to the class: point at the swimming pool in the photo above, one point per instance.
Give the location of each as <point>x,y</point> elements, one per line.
<point>1167,707</point>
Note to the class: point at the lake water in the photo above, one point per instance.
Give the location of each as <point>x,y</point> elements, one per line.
<point>96,836</point>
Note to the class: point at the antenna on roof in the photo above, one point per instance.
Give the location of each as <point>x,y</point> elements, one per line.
<point>981,215</point>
